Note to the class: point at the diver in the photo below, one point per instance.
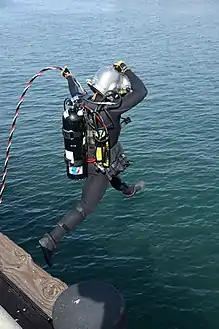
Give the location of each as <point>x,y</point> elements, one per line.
<point>121,78</point>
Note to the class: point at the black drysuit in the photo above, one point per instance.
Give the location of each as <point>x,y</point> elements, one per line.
<point>97,183</point>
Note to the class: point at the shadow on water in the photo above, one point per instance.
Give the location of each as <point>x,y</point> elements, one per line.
<point>151,301</point>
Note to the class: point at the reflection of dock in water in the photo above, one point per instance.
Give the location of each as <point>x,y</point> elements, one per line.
<point>29,297</point>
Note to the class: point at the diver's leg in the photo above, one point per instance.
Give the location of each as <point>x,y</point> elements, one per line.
<point>119,185</point>
<point>128,190</point>
<point>94,189</point>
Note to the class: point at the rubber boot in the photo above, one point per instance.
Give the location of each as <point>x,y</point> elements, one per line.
<point>47,244</point>
<point>50,240</point>
<point>134,189</point>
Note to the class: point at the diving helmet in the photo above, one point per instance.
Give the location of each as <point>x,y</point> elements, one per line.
<point>108,79</point>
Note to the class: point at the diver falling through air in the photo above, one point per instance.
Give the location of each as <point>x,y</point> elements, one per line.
<point>91,130</point>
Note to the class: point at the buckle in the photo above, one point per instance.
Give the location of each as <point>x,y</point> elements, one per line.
<point>70,134</point>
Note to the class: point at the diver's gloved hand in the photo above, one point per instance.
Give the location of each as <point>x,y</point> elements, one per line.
<point>120,66</point>
<point>66,73</point>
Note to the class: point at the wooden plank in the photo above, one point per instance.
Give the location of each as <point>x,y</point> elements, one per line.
<point>37,284</point>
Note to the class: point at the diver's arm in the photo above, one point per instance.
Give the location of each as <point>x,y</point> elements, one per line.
<point>139,92</point>
<point>74,87</point>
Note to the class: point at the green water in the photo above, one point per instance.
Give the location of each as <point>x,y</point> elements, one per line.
<point>161,248</point>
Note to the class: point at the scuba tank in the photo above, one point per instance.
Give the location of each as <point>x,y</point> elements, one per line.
<point>74,133</point>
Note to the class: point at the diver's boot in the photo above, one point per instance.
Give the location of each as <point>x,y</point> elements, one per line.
<point>134,189</point>
<point>50,240</point>
<point>47,244</point>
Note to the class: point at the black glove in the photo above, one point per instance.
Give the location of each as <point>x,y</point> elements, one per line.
<point>120,66</point>
<point>66,73</point>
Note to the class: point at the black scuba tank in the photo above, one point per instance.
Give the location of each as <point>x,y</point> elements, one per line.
<point>74,133</point>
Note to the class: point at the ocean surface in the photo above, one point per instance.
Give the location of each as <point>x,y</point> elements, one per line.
<point>161,248</point>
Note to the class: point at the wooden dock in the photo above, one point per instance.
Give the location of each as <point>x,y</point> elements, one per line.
<point>27,292</point>
<point>30,298</point>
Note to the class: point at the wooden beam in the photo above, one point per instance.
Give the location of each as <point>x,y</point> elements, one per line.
<point>18,266</point>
